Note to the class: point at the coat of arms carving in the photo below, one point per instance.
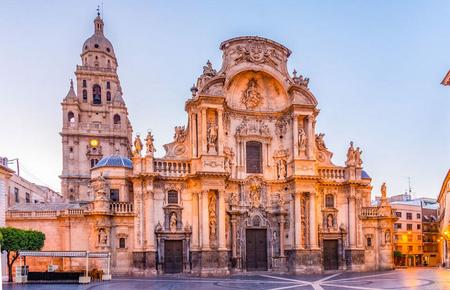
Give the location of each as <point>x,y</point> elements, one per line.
<point>251,98</point>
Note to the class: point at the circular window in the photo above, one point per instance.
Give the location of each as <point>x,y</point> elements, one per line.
<point>107,49</point>
<point>86,47</point>
<point>96,45</point>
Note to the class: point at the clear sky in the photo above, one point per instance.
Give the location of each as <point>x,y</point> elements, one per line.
<point>375,68</point>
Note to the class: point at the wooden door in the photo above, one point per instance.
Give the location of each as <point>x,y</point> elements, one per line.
<point>173,256</point>
<point>330,255</point>
<point>256,250</point>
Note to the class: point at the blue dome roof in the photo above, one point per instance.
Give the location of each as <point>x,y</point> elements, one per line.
<point>364,175</point>
<point>114,161</point>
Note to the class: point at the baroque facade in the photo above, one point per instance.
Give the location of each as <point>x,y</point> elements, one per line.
<point>247,184</point>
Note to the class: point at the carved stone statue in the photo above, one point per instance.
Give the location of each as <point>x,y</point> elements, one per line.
<point>173,222</point>
<point>387,237</point>
<point>149,144</point>
<point>255,194</point>
<point>180,134</point>
<point>383,190</point>
<point>137,145</point>
<point>300,80</point>
<point>102,237</point>
<point>281,126</point>
<point>330,221</point>
<point>358,161</point>
<point>281,167</point>
<point>208,70</point>
<point>212,200</point>
<point>320,143</point>
<point>234,199</point>
<point>264,129</point>
<point>158,227</point>
<point>251,98</point>
<point>302,141</point>
<point>243,127</point>
<point>350,155</point>
<point>211,136</point>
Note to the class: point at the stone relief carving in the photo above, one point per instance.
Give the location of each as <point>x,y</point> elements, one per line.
<point>252,127</point>
<point>149,144</point>
<point>251,98</point>
<point>255,193</point>
<point>212,163</point>
<point>281,169</point>
<point>281,126</point>
<point>320,143</point>
<point>212,202</point>
<point>229,157</point>
<point>300,80</point>
<point>322,154</point>
<point>234,198</point>
<point>102,237</point>
<point>257,52</point>
<point>137,146</point>
<point>353,156</point>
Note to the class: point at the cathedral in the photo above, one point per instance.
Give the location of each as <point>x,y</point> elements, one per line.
<point>246,185</point>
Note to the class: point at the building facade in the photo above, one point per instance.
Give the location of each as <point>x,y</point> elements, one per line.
<point>247,184</point>
<point>444,220</point>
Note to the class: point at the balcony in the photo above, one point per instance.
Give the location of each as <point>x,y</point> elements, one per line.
<point>332,173</point>
<point>121,208</point>
<point>369,211</point>
<point>96,69</point>
<point>172,168</point>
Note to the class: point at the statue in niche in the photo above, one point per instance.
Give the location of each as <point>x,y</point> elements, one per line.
<point>234,199</point>
<point>212,215</point>
<point>211,136</point>
<point>281,166</point>
<point>275,244</point>
<point>251,98</point>
<point>149,144</point>
<point>304,236</point>
<point>264,129</point>
<point>229,155</point>
<point>173,222</point>
<point>255,194</point>
<point>302,139</point>
<point>102,237</point>
<point>137,145</point>
<point>329,221</point>
<point>387,237</point>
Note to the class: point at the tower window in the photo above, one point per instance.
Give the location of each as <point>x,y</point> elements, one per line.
<point>71,117</point>
<point>97,94</point>
<point>116,119</point>
<point>84,84</point>
<point>107,49</point>
<point>108,96</point>
<point>329,200</point>
<point>114,195</point>
<point>172,197</point>
<point>84,96</point>
<point>71,149</point>
<point>16,194</point>
<point>86,47</point>
<point>254,157</point>
<point>96,45</point>
<point>93,162</point>
<point>27,197</point>
<point>108,85</point>
<point>122,243</point>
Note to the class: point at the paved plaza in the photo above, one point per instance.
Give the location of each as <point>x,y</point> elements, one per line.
<point>418,278</point>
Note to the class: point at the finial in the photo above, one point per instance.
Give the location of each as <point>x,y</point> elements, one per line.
<point>194,90</point>
<point>71,83</point>
<point>98,10</point>
<point>294,73</point>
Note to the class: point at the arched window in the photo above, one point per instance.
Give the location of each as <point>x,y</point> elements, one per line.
<point>116,119</point>
<point>329,200</point>
<point>108,96</point>
<point>254,157</point>
<point>84,84</point>
<point>96,94</point>
<point>108,85</point>
<point>71,117</point>
<point>93,162</point>
<point>85,96</point>
<point>122,243</point>
<point>172,197</point>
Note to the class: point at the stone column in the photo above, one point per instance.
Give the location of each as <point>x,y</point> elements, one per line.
<point>292,221</point>
<point>203,132</point>
<point>195,221</point>
<point>233,237</point>
<point>138,226</point>
<point>298,221</point>
<point>295,136</point>
<point>281,236</point>
<point>220,131</point>
<point>311,138</point>
<point>351,220</point>
<point>150,210</point>
<point>312,221</point>
<point>205,221</point>
<point>222,213</point>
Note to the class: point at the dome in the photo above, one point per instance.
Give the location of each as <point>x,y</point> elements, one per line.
<point>98,42</point>
<point>114,161</point>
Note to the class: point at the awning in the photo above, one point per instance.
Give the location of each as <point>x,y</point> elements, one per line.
<point>71,254</point>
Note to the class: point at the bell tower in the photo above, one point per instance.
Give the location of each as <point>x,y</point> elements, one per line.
<point>95,117</point>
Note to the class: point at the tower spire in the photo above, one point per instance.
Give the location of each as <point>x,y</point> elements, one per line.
<point>98,22</point>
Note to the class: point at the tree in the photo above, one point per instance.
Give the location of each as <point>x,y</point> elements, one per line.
<point>15,240</point>
<point>397,256</point>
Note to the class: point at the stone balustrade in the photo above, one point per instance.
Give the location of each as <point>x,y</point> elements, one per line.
<point>369,211</point>
<point>121,207</point>
<point>175,168</point>
<point>332,173</point>
<point>96,68</point>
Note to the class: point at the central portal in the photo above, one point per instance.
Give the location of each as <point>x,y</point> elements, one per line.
<point>256,249</point>
<point>330,255</point>
<point>173,256</point>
